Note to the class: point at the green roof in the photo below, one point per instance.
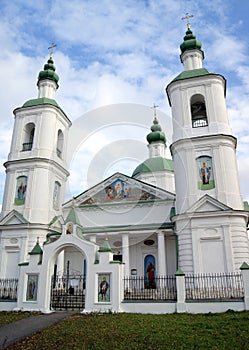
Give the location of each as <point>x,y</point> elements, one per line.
<point>41,101</point>
<point>36,250</point>
<point>152,165</point>
<point>192,73</point>
<point>105,247</point>
<point>72,217</point>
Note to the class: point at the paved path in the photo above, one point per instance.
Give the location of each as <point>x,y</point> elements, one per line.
<point>12,332</point>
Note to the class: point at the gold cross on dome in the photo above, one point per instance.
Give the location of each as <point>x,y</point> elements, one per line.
<point>187,17</point>
<point>51,49</point>
<point>154,107</point>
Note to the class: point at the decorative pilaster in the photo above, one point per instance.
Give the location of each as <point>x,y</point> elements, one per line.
<point>161,254</point>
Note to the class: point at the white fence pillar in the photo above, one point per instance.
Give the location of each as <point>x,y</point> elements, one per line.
<point>181,294</point>
<point>245,274</point>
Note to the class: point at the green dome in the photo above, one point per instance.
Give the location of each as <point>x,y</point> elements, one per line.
<point>156,133</point>
<point>190,42</point>
<point>152,165</point>
<point>48,72</point>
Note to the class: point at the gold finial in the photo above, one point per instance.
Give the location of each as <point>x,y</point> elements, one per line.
<point>51,49</point>
<point>154,107</point>
<point>187,17</point>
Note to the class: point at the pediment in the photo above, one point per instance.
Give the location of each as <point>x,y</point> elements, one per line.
<point>13,218</point>
<point>207,204</point>
<point>120,188</point>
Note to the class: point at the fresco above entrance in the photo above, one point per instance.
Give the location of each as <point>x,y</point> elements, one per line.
<point>120,190</point>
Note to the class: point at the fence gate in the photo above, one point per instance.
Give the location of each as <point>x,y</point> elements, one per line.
<point>67,292</point>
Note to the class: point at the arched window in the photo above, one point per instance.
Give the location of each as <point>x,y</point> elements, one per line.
<point>56,195</point>
<point>206,173</point>
<point>21,188</point>
<point>60,140</point>
<point>198,111</point>
<point>28,136</point>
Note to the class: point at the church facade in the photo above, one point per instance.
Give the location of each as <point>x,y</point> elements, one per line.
<point>126,233</point>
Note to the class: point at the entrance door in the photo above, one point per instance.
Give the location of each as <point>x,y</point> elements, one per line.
<point>67,292</point>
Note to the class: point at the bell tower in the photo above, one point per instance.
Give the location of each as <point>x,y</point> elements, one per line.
<point>36,169</point>
<point>210,220</point>
<point>203,147</point>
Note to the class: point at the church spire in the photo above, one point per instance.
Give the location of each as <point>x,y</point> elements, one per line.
<point>47,78</point>
<point>191,52</point>
<point>156,138</point>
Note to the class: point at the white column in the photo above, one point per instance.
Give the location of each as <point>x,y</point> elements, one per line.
<point>161,271</point>
<point>126,253</point>
<point>60,262</point>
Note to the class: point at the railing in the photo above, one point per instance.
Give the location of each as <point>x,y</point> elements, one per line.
<point>196,123</point>
<point>214,286</point>
<point>68,292</point>
<point>162,288</point>
<point>27,146</point>
<point>8,288</point>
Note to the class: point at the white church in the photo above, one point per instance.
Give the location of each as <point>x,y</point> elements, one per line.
<point>127,244</point>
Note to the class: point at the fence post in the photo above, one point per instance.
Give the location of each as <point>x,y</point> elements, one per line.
<point>245,274</point>
<point>180,290</point>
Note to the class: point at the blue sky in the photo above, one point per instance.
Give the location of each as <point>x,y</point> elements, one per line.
<point>112,52</point>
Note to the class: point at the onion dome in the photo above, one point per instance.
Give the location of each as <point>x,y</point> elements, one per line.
<point>48,72</point>
<point>190,42</point>
<point>156,133</point>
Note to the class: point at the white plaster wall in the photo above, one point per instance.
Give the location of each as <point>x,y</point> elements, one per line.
<point>8,305</point>
<point>214,307</point>
<point>149,308</point>
<point>125,214</point>
<point>225,238</point>
<point>222,151</point>
<point>161,179</point>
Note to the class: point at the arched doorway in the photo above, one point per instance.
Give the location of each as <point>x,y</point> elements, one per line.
<point>68,282</point>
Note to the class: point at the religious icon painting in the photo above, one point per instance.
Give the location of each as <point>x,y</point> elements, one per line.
<point>150,272</point>
<point>32,286</point>
<point>103,287</point>
<point>205,173</point>
<point>69,229</point>
<point>21,187</point>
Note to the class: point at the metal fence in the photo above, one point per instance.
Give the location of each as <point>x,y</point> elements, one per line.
<point>214,286</point>
<point>68,292</point>
<point>8,288</point>
<point>138,288</point>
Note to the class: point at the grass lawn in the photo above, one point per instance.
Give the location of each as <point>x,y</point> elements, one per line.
<point>135,331</point>
<point>8,317</point>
